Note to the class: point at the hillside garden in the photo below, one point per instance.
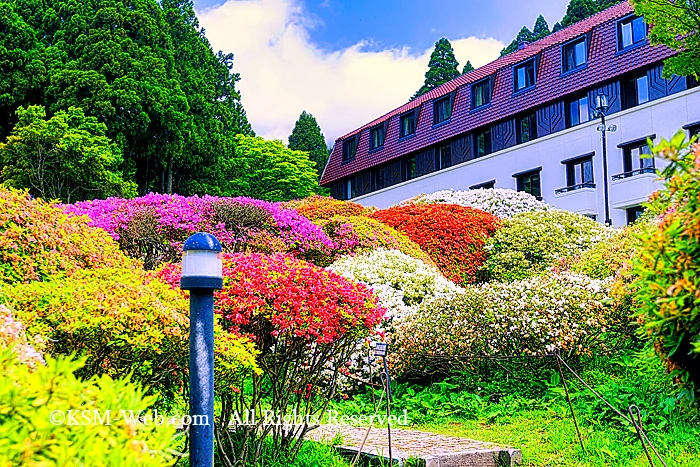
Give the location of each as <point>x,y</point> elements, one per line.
<point>93,319</point>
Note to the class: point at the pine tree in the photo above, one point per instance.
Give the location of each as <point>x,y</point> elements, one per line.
<point>467,67</point>
<point>307,136</point>
<point>525,35</point>
<point>541,28</point>
<point>441,68</point>
<point>579,10</point>
<point>556,27</point>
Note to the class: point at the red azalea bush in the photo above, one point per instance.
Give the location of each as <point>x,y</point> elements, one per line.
<point>316,207</point>
<point>453,236</point>
<point>302,320</point>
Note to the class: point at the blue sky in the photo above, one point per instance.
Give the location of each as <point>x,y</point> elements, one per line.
<point>348,62</point>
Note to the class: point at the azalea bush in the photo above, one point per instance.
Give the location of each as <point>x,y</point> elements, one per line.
<point>28,350</point>
<point>500,202</point>
<point>38,240</point>
<point>154,227</point>
<point>35,429</point>
<point>453,236</point>
<point>530,243</point>
<point>317,208</point>
<point>534,316</point>
<point>299,317</point>
<point>667,286</point>
<point>360,234</point>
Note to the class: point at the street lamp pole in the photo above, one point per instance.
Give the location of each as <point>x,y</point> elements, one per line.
<point>201,275</point>
<point>601,107</point>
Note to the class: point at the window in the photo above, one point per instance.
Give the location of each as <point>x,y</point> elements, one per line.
<point>376,137</point>
<point>579,174</point>
<point>484,186</point>
<point>636,159</point>
<point>635,91</point>
<point>529,182</point>
<point>578,111</point>
<point>481,93</point>
<point>349,149</point>
<point>693,129</point>
<point>692,82</point>
<point>574,55</point>
<point>408,124</point>
<point>631,31</point>
<point>633,214</point>
<point>483,143</point>
<point>527,128</point>
<point>350,189</point>
<point>409,168</point>
<point>524,75</point>
<point>444,157</point>
<point>442,110</point>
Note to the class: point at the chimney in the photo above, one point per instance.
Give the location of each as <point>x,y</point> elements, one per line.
<point>523,44</point>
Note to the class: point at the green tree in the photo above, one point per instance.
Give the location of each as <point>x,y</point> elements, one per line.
<point>578,10</point>
<point>541,28</point>
<point>467,67</point>
<point>267,170</point>
<point>442,67</point>
<point>66,157</point>
<point>525,35</point>
<point>675,24</point>
<point>307,136</point>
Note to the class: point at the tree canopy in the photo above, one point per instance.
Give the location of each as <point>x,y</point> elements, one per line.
<point>467,67</point>
<point>442,67</point>
<point>675,24</point>
<point>306,136</point>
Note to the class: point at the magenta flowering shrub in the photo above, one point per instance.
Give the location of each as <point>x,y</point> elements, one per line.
<point>154,227</point>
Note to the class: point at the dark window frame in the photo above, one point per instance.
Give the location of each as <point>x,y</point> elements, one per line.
<point>478,87</point>
<point>569,114</point>
<point>372,131</point>
<point>349,143</point>
<point>619,34</point>
<point>630,90</point>
<point>571,45</point>
<point>531,62</point>
<point>578,164</point>
<point>438,103</point>
<point>531,128</point>
<point>693,129</point>
<point>635,211</point>
<point>409,168</point>
<point>407,115</point>
<point>488,143</point>
<point>527,175</point>
<point>632,163</point>
<point>443,156</point>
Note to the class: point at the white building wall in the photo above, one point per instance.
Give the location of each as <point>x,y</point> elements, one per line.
<point>662,117</point>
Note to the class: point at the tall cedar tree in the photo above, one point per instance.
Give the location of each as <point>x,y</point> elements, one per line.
<point>306,136</point>
<point>441,68</point>
<point>675,25</point>
<point>467,67</point>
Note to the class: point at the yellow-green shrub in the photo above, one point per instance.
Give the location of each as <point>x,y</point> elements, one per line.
<point>31,399</point>
<point>38,240</point>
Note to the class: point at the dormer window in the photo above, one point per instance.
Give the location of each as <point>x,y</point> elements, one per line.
<point>631,31</point>
<point>442,110</point>
<point>349,149</point>
<point>408,124</point>
<point>524,75</point>
<point>481,93</point>
<point>376,137</point>
<point>574,55</point>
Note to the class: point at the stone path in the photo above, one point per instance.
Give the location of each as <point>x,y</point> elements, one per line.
<point>431,449</point>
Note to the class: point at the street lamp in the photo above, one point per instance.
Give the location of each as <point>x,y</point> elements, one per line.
<point>201,275</point>
<point>380,350</point>
<point>601,106</point>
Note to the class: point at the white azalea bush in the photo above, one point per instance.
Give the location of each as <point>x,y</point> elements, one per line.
<point>530,244</point>
<point>402,283</point>
<point>500,202</point>
<point>535,316</point>
<point>13,336</point>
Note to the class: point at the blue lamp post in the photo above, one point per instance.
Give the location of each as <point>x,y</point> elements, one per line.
<point>201,275</point>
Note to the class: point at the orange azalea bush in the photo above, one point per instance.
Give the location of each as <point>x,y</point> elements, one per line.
<point>453,236</point>
<point>317,207</point>
<point>38,240</point>
<point>667,288</point>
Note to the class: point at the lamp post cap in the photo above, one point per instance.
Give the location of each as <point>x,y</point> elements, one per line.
<point>202,241</point>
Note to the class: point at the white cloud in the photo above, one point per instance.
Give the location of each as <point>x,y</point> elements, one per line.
<point>283,73</point>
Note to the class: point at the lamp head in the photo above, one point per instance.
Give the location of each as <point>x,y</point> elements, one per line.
<point>201,263</point>
<point>380,349</point>
<point>601,103</point>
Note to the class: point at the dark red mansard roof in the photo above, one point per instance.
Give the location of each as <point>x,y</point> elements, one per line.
<point>603,64</point>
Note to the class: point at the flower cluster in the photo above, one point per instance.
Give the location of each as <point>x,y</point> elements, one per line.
<point>38,240</point>
<point>154,227</point>
<point>280,297</point>
<point>12,335</point>
<point>359,234</point>
<point>500,202</point>
<point>535,316</point>
<point>318,208</point>
<point>531,243</point>
<point>453,236</point>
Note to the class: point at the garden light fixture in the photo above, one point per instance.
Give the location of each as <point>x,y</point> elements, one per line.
<point>602,106</point>
<point>380,349</point>
<point>201,275</point>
